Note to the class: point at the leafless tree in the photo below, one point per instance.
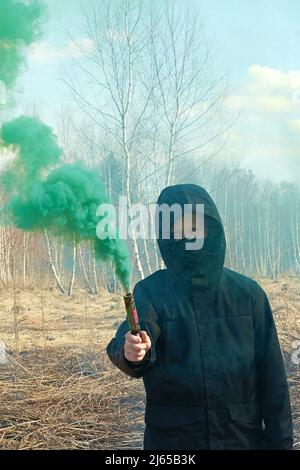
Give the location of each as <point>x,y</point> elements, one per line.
<point>145,82</point>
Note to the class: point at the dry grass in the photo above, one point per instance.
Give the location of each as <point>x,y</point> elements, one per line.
<point>284,296</point>
<point>62,392</point>
<point>52,409</point>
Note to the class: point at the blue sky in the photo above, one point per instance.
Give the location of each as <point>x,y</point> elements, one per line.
<point>256,41</point>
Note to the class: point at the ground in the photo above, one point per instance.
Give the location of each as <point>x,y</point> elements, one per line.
<point>58,389</point>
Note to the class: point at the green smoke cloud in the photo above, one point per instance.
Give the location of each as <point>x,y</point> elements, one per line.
<point>42,194</point>
<point>61,200</point>
<point>37,148</point>
<point>20,25</point>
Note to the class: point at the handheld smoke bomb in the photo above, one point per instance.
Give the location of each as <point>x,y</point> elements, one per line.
<point>132,316</point>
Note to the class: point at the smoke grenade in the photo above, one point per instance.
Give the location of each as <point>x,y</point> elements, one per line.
<point>132,316</point>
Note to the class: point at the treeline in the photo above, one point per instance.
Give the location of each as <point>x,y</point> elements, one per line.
<point>261,221</point>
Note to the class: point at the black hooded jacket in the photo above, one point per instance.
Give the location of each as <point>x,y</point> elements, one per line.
<point>214,376</point>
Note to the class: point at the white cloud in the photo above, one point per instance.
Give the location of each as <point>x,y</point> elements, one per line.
<point>44,53</point>
<point>269,123</point>
<point>275,103</point>
<point>295,125</point>
<point>270,103</point>
<point>269,90</point>
<point>274,79</point>
<point>237,102</point>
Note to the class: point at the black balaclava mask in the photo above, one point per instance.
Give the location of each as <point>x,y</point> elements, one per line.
<point>206,264</point>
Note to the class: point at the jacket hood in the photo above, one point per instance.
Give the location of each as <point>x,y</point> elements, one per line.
<point>202,263</point>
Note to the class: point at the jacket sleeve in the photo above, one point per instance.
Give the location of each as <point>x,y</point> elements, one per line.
<point>149,323</point>
<point>272,381</point>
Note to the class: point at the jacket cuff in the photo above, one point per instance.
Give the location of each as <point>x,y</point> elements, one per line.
<point>134,365</point>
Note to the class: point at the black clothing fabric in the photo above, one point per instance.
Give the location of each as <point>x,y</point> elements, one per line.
<point>214,376</point>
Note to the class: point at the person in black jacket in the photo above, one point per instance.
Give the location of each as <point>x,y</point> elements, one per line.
<point>208,354</point>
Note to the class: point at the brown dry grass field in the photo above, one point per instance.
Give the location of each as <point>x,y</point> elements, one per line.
<point>59,390</point>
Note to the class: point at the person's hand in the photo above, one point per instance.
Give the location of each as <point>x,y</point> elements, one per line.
<point>137,346</point>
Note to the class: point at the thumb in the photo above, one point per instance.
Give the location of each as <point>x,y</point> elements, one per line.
<point>145,338</point>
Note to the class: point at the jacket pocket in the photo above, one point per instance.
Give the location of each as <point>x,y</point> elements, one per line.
<point>247,412</point>
<point>170,416</point>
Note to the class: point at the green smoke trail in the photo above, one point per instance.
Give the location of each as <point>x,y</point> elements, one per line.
<point>61,200</point>
<point>20,25</point>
